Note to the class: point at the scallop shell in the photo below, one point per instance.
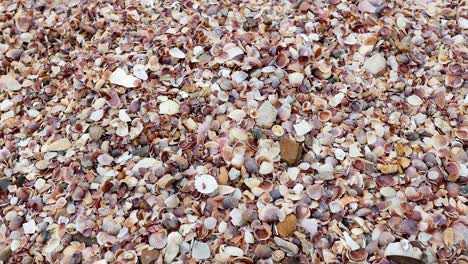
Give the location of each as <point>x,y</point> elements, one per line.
<point>206,184</point>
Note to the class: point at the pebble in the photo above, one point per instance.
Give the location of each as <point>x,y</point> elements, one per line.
<point>290,151</point>
<point>4,183</point>
<point>387,169</point>
<point>287,246</point>
<point>59,145</point>
<point>263,251</point>
<point>250,165</point>
<point>286,227</point>
<point>376,65</point>
<point>95,132</point>
<point>266,115</point>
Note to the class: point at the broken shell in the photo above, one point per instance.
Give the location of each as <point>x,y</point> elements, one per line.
<point>120,77</point>
<point>169,107</point>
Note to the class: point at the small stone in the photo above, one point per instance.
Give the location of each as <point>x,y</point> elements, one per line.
<point>290,151</point>
<point>149,256</point>
<point>95,132</point>
<point>223,177</point>
<point>263,251</point>
<point>5,254</point>
<point>286,227</point>
<point>387,169</point>
<point>169,107</point>
<point>250,165</point>
<point>376,65</point>
<point>4,183</point>
<point>266,115</point>
<point>200,250</point>
<point>59,145</point>
<point>287,246</point>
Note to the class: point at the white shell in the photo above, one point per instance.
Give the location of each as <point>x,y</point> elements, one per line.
<point>302,128</point>
<point>414,100</point>
<point>139,71</point>
<point>206,184</point>
<point>177,53</point>
<point>200,250</point>
<point>10,83</point>
<point>295,78</point>
<point>120,77</point>
<point>169,107</point>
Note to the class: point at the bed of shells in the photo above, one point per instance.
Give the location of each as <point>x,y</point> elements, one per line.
<point>308,131</point>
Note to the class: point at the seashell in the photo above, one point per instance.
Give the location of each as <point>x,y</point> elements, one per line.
<point>206,184</point>
<point>277,130</point>
<point>310,225</point>
<point>336,206</point>
<point>453,169</point>
<point>239,76</point>
<point>266,168</point>
<point>455,69</point>
<point>120,77</point>
<point>200,250</point>
<point>269,213</point>
<point>262,231</point>
<point>414,100</point>
<point>454,81</point>
<point>158,240</point>
<point>295,78</point>
<point>139,70</point>
<point>324,116</point>
<point>169,107</point>
<point>357,255</point>
<point>8,82</point>
<point>177,53</point>
<point>242,260</point>
<point>105,159</point>
<point>281,60</point>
